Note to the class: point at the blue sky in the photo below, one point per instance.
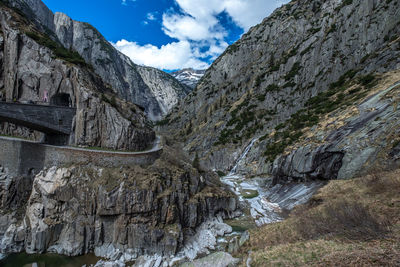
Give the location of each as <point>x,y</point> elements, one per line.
<point>169,34</point>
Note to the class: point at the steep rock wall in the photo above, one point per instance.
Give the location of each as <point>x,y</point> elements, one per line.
<point>275,68</point>
<point>128,80</point>
<point>32,72</point>
<point>113,211</point>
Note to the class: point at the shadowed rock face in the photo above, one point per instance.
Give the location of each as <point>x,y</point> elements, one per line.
<point>307,163</point>
<point>150,88</point>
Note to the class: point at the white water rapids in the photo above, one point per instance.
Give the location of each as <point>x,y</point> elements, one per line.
<point>266,203</point>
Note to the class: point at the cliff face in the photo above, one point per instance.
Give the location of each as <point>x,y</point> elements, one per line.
<point>121,212</point>
<point>118,213</point>
<point>35,68</point>
<point>266,78</point>
<point>163,87</point>
<point>156,95</point>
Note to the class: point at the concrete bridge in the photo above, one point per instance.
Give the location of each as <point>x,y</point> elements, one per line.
<point>54,121</point>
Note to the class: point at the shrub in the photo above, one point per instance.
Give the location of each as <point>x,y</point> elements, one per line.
<point>162,122</point>
<point>333,28</point>
<point>196,162</point>
<point>347,219</point>
<point>272,87</point>
<point>259,80</point>
<point>221,173</point>
<point>261,98</point>
<point>293,72</point>
<point>367,79</point>
<point>342,79</point>
<point>279,126</point>
<point>113,101</point>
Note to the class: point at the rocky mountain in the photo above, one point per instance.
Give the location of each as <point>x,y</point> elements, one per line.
<point>189,77</point>
<point>117,213</point>
<point>156,209</point>
<point>310,94</point>
<point>278,92</point>
<point>156,91</point>
<point>36,68</point>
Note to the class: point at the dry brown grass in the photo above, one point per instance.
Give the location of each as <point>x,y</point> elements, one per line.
<point>341,218</point>
<point>347,223</point>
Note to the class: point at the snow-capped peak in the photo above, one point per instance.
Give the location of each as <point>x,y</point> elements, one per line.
<point>189,77</point>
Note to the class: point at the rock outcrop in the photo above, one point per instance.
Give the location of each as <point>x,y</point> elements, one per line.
<point>358,140</point>
<point>156,91</point>
<point>35,72</point>
<point>119,213</point>
<point>163,88</point>
<point>302,49</point>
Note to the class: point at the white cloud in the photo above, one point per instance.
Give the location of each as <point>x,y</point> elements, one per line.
<point>189,28</point>
<point>125,2</point>
<point>172,56</point>
<point>151,16</point>
<point>247,13</point>
<point>198,31</point>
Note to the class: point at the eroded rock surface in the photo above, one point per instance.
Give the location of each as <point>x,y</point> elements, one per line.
<point>119,213</point>
<point>366,142</point>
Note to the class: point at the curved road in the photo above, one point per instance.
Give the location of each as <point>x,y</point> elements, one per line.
<point>156,147</point>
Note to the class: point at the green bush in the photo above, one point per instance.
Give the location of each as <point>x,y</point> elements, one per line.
<point>261,98</point>
<point>333,28</point>
<point>367,79</point>
<point>293,72</point>
<point>290,131</point>
<point>221,173</point>
<point>272,87</point>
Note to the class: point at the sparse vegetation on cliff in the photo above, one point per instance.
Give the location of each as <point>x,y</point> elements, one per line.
<point>58,50</point>
<point>339,95</point>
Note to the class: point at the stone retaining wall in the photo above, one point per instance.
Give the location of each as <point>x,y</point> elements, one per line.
<point>22,157</point>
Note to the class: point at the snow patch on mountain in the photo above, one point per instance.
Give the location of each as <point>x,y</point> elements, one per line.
<point>189,77</point>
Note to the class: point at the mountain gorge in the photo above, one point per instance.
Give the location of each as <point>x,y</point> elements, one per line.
<point>154,90</point>
<point>285,152</point>
<point>162,200</point>
<point>36,68</point>
<point>268,87</point>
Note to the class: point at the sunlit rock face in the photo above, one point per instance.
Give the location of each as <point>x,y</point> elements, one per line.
<point>129,211</point>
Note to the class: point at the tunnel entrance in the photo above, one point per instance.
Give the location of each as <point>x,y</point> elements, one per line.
<point>61,99</point>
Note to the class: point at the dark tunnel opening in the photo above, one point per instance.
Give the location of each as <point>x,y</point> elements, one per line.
<point>61,99</point>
